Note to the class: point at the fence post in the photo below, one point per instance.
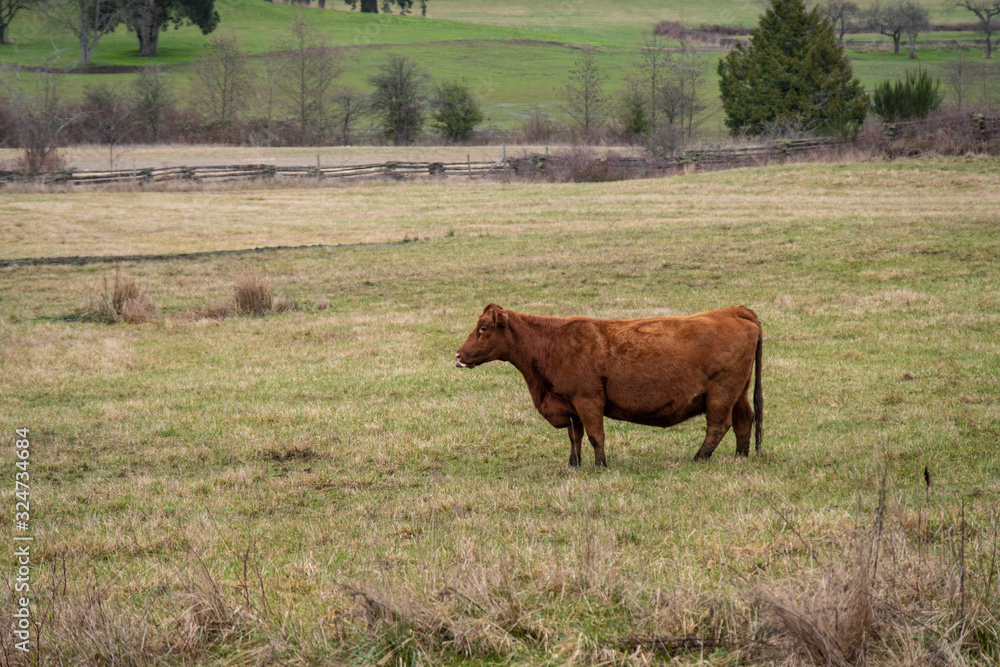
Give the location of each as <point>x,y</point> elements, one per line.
<point>468,159</point>
<point>133,173</point>
<point>319,174</point>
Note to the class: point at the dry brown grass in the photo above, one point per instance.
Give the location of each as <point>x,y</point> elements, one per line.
<point>107,223</point>
<point>481,613</point>
<point>124,301</point>
<point>885,601</point>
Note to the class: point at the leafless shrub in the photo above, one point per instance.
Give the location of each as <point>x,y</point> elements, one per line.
<point>41,116</point>
<point>948,131</point>
<point>538,128</point>
<point>578,164</point>
<point>124,301</point>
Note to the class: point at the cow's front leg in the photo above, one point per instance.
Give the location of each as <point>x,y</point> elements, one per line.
<point>575,438</point>
<point>591,413</point>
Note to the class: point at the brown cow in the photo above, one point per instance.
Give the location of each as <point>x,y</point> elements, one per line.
<point>658,371</point>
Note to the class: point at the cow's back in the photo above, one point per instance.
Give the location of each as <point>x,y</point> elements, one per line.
<point>659,371</point>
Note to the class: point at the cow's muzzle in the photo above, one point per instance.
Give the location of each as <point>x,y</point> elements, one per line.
<point>461,364</point>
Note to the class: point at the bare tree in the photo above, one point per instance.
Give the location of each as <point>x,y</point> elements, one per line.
<point>108,120</point>
<point>41,116</point>
<point>663,92</point>
<point>308,65</point>
<point>649,78</point>
<point>987,84</point>
<point>915,21</point>
<point>583,97</point>
<point>897,18</point>
<point>152,97</point>
<point>223,80</point>
<point>987,12</point>
<point>686,80</point>
<point>266,96</point>
<point>842,14</point>
<point>350,105</point>
<point>959,75</point>
<point>87,20</point>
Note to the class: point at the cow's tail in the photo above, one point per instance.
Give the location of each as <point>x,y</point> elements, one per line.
<point>758,392</point>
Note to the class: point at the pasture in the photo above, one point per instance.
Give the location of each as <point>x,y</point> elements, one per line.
<point>324,486</point>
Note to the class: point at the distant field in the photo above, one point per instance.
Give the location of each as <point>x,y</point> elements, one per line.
<point>323,486</point>
<point>515,56</point>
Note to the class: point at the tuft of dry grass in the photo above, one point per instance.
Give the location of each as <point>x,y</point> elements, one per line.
<point>124,301</point>
<point>478,616</point>
<point>253,294</point>
<point>829,621</point>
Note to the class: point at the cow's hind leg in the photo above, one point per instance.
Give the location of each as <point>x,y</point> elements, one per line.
<point>575,438</point>
<point>742,425</point>
<point>719,419</point>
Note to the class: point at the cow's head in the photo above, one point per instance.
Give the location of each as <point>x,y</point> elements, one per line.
<point>489,341</point>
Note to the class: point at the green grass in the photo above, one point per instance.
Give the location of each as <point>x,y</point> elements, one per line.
<point>394,503</point>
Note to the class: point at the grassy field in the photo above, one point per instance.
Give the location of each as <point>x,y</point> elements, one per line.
<point>323,486</point>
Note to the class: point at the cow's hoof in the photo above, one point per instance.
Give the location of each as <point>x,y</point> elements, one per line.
<point>574,461</point>
<point>701,456</point>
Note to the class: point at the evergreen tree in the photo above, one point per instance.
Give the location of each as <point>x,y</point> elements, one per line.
<point>793,74</point>
<point>457,111</point>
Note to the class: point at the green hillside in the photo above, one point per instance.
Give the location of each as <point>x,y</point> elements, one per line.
<point>515,55</point>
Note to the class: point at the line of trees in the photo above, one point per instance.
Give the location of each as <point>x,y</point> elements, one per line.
<point>292,98</point>
<point>296,97</point>
<point>659,105</point>
<point>899,19</point>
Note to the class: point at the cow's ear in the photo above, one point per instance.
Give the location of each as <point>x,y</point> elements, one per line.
<point>498,316</point>
<point>491,310</point>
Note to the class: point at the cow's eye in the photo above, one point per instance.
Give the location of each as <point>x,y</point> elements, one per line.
<point>482,329</point>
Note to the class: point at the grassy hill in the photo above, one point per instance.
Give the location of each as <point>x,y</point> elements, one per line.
<point>515,55</point>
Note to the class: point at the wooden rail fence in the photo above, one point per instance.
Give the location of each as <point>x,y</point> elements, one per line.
<point>524,166</point>
<point>229,173</point>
